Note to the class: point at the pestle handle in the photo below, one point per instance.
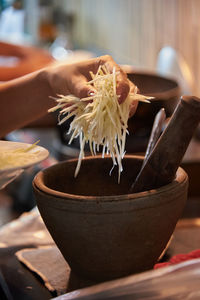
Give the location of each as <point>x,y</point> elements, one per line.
<point>161,166</point>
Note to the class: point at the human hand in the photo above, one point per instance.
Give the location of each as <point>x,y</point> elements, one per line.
<point>72,79</point>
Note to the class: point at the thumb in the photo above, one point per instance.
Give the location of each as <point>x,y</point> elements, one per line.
<point>80,88</point>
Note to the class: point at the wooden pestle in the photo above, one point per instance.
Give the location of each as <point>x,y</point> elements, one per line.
<point>161,166</point>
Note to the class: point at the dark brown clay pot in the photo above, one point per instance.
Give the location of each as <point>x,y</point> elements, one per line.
<point>166,93</point>
<point>103,231</point>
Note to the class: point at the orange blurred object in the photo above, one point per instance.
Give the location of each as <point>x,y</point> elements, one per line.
<point>28,59</point>
<point>47,32</point>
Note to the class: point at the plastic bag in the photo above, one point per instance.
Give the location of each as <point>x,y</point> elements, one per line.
<point>180,281</point>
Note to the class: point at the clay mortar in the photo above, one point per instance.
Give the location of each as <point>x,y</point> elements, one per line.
<point>102,231</point>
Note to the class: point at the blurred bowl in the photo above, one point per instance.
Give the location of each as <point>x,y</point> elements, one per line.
<point>166,93</point>
<point>103,231</point>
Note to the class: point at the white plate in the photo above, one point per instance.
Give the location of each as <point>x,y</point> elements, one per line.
<point>10,173</point>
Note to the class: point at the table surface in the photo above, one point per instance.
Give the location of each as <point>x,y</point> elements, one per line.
<point>24,284</point>
<point>21,283</point>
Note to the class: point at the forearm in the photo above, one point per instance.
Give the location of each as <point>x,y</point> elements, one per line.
<point>23,100</point>
<point>27,98</point>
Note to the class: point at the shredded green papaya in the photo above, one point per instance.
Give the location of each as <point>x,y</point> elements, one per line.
<point>11,158</point>
<point>99,119</point>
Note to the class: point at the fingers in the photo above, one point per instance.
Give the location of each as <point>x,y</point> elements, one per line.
<point>132,87</point>
<point>79,87</point>
<point>123,86</point>
<point>106,60</point>
<point>134,104</point>
<point>133,108</point>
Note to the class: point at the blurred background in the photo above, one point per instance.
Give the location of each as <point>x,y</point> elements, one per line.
<point>132,31</point>
<point>157,42</point>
